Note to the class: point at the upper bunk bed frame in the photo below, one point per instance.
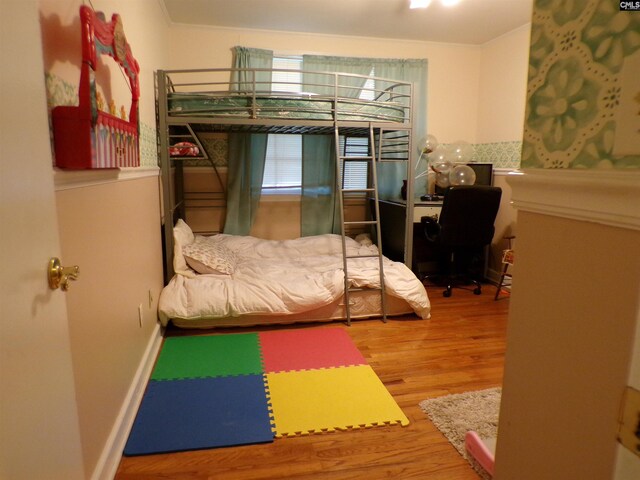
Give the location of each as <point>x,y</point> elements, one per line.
<point>193,102</point>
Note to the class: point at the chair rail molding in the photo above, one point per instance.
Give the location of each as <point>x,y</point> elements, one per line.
<point>609,197</point>
<point>68,179</point>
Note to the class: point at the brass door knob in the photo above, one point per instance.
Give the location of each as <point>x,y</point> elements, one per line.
<point>60,276</point>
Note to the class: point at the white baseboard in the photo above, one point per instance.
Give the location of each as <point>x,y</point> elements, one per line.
<point>112,452</point>
<point>493,276</point>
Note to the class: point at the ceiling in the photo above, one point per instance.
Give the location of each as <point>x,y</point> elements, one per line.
<point>470,22</point>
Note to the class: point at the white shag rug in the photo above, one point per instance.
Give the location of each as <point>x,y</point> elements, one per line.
<point>456,414</point>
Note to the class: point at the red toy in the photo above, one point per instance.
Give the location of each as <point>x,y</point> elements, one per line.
<point>85,137</point>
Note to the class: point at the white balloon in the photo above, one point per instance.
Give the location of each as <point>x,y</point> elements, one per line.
<point>442,167</point>
<point>462,175</point>
<point>461,152</point>
<point>427,144</point>
<point>440,155</point>
<point>442,180</point>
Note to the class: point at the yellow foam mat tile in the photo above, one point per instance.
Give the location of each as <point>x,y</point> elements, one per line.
<point>316,401</point>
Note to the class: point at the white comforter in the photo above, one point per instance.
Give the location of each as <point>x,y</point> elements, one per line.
<point>285,277</point>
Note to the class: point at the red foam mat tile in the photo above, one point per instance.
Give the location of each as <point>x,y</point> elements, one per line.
<point>307,349</point>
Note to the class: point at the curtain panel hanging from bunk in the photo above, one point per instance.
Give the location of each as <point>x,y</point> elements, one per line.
<point>244,182</point>
<point>319,206</point>
<point>244,57</point>
<point>391,175</point>
<point>319,213</point>
<point>318,177</point>
<point>315,83</point>
<point>247,152</point>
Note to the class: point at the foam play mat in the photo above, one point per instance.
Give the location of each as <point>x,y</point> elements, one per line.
<point>315,401</point>
<point>210,391</point>
<point>200,413</point>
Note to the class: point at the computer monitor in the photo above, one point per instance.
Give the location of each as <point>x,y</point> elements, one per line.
<point>484,176</point>
<point>484,173</point>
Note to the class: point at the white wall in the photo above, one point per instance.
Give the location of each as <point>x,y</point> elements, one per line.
<point>572,321</point>
<point>503,87</point>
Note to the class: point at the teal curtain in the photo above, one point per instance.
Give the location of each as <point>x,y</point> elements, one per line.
<point>253,58</point>
<point>319,204</point>
<point>314,83</point>
<point>391,175</point>
<point>247,151</point>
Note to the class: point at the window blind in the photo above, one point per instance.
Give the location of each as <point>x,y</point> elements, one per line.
<point>289,80</point>
<point>283,165</point>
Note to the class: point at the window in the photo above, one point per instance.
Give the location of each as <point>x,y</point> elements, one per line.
<point>355,172</point>
<point>283,165</point>
<point>289,80</point>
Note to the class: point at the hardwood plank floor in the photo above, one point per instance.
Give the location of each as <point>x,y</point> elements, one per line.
<point>461,348</point>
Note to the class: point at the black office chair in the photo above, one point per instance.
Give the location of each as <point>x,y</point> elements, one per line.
<point>463,230</point>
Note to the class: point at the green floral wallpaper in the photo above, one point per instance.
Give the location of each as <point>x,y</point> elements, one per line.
<point>501,154</point>
<point>217,148</point>
<point>578,50</point>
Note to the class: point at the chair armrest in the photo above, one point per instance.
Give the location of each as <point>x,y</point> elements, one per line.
<point>431,228</point>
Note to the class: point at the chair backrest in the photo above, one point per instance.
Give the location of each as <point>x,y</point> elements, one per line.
<point>468,215</point>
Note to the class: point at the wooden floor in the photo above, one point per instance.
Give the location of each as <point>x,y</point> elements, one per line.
<point>461,348</point>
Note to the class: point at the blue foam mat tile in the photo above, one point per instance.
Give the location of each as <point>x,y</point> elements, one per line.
<point>193,414</point>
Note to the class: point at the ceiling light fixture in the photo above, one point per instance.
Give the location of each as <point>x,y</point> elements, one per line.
<point>426,3</point>
<point>419,3</point>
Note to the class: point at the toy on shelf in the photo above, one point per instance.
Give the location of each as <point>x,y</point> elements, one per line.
<point>84,136</point>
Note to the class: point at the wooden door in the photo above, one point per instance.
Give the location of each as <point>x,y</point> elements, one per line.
<point>39,434</point>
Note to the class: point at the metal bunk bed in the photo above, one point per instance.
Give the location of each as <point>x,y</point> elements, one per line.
<point>195,102</point>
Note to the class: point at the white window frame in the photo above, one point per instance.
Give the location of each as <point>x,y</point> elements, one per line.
<point>282,150</point>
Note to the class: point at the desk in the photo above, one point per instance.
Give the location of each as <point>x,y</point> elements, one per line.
<point>425,259</point>
<point>422,208</point>
<point>426,209</point>
<point>392,220</point>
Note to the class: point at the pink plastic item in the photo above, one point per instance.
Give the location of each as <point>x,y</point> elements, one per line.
<point>479,450</point>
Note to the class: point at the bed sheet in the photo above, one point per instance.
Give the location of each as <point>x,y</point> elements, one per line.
<point>284,277</point>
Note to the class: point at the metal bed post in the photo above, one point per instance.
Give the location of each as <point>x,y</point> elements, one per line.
<point>168,200</point>
<point>408,234</point>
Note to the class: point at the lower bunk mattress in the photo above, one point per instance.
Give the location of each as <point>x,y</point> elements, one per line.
<point>228,280</point>
<point>364,304</point>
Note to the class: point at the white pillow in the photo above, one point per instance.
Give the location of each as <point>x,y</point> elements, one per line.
<point>210,258</point>
<point>182,236</point>
<point>364,239</point>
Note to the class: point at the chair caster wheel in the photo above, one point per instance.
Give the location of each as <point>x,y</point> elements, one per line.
<point>477,291</point>
<point>446,293</point>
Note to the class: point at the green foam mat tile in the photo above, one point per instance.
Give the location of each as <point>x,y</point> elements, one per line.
<point>208,356</point>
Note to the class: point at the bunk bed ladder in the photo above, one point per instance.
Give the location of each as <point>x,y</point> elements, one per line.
<point>371,190</point>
